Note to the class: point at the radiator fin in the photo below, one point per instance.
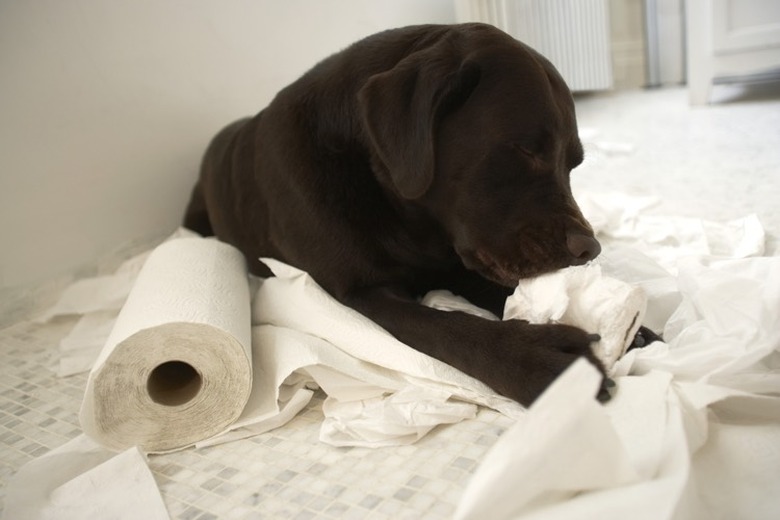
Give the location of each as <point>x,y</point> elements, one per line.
<point>572,34</point>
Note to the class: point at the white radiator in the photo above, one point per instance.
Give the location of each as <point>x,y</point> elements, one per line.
<point>572,34</point>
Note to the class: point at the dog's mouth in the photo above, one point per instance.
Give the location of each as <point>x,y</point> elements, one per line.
<point>501,272</point>
<point>495,270</point>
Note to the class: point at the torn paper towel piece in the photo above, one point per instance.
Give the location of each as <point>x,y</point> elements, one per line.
<point>79,349</point>
<point>563,446</point>
<point>726,329</point>
<point>629,458</point>
<point>177,366</point>
<point>403,417</point>
<point>581,296</point>
<point>81,479</point>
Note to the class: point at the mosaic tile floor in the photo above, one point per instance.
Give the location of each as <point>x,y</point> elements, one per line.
<point>286,473</point>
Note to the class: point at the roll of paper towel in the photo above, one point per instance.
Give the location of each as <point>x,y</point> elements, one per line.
<point>177,365</point>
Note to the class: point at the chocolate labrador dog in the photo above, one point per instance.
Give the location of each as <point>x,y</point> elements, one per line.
<point>427,157</point>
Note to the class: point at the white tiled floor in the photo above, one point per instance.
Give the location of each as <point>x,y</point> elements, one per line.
<point>716,162</point>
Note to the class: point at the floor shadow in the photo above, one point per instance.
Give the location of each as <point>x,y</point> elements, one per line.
<point>749,90</point>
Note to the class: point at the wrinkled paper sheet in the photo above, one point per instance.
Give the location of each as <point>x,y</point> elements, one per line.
<point>693,429</point>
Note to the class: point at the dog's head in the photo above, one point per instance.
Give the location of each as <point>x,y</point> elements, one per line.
<point>480,130</point>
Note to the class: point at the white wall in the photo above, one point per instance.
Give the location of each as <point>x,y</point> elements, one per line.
<point>106,107</point>
<point>671,42</point>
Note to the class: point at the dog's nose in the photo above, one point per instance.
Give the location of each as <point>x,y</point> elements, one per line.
<point>583,248</point>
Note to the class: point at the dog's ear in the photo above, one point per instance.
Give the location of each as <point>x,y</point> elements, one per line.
<point>400,109</point>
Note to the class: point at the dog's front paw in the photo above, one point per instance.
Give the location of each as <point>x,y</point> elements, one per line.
<point>538,354</point>
<point>643,338</point>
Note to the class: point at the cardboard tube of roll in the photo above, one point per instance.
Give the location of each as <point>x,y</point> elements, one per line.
<point>177,365</point>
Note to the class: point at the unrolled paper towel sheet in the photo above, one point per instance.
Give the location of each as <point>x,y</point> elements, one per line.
<point>293,300</point>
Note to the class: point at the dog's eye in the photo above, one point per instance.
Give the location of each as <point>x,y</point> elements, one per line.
<point>531,153</point>
<point>534,159</point>
<point>524,151</point>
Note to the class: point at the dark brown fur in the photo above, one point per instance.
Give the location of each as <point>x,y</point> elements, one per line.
<point>428,157</point>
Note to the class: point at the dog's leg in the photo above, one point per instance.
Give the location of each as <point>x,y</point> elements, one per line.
<point>516,359</point>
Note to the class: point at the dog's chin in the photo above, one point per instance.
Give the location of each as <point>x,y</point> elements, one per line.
<point>496,271</point>
<point>501,272</point>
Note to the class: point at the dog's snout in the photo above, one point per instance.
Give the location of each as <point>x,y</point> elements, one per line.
<point>582,248</point>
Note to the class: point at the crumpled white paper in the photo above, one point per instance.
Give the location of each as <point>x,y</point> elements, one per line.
<point>696,418</point>
<point>402,417</point>
<point>619,218</point>
<point>548,456</point>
